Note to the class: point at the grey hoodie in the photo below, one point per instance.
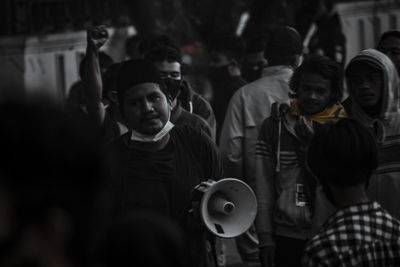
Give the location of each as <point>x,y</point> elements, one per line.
<point>384,185</point>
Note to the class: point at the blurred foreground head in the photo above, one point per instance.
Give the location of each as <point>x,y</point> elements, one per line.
<point>343,154</point>
<point>50,179</point>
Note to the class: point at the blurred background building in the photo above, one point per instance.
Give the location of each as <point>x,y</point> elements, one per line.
<point>43,41</point>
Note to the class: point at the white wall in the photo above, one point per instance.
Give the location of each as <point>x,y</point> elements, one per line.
<point>358,23</point>
<point>49,64</point>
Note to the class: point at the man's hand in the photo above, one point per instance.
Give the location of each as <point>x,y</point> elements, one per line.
<point>267,256</point>
<point>97,36</point>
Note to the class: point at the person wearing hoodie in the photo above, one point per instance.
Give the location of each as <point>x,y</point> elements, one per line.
<point>284,189</point>
<point>374,93</point>
<point>247,109</point>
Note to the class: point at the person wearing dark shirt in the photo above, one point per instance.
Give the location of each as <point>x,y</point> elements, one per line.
<point>226,55</point>
<point>343,157</point>
<point>254,59</point>
<point>190,100</point>
<point>156,164</point>
<point>168,62</point>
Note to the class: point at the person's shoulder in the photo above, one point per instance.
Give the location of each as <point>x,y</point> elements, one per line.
<point>197,98</point>
<point>201,106</point>
<point>191,138</point>
<point>184,131</point>
<point>120,141</point>
<point>247,91</point>
<point>197,120</point>
<point>192,119</point>
<point>317,249</point>
<point>186,114</point>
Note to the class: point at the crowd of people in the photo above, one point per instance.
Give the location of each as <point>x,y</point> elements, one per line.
<point>108,179</point>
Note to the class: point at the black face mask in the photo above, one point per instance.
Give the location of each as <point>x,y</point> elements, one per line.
<point>173,86</point>
<point>219,74</point>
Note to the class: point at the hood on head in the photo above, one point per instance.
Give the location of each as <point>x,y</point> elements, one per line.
<point>390,94</point>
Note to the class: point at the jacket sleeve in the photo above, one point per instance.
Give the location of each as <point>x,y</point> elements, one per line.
<point>264,182</point>
<point>203,108</point>
<point>231,139</point>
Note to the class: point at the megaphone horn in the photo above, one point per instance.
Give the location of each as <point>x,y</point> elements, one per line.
<point>228,207</point>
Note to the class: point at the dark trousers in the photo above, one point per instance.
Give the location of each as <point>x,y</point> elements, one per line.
<point>288,251</point>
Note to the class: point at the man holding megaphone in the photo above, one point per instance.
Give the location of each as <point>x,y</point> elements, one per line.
<point>227,207</point>
<point>155,165</point>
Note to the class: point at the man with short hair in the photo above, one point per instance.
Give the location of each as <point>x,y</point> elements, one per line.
<point>389,44</point>
<point>284,190</point>
<point>373,85</point>
<point>190,100</point>
<point>254,59</point>
<point>247,109</point>
<point>343,157</point>
<point>168,62</point>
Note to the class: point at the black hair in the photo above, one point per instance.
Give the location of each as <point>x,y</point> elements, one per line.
<point>230,45</point>
<point>325,67</point>
<point>343,154</point>
<point>256,44</point>
<point>104,61</point>
<point>152,41</point>
<point>134,72</point>
<point>163,53</point>
<point>388,34</point>
<point>283,44</point>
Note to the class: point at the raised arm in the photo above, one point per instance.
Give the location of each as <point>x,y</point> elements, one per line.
<point>93,86</point>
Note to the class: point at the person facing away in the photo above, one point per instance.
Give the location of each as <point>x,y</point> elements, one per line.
<point>343,157</point>
<point>168,62</point>
<point>247,109</point>
<point>226,56</point>
<point>374,93</point>
<point>254,59</point>
<point>389,44</point>
<point>284,189</point>
<point>156,165</point>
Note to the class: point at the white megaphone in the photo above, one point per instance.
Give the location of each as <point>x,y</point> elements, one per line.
<point>228,207</point>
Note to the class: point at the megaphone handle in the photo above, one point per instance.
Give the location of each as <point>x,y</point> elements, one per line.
<point>214,249</point>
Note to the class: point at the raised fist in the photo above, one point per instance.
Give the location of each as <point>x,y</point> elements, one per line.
<point>97,36</point>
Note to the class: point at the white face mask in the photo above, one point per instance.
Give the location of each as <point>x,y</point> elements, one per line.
<point>136,136</point>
